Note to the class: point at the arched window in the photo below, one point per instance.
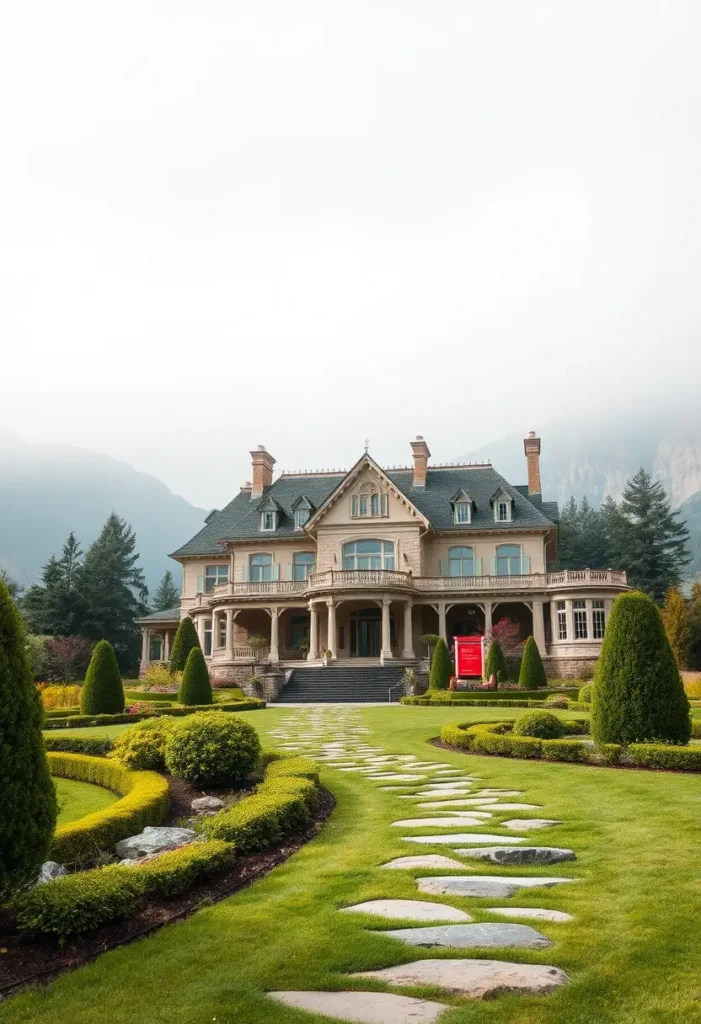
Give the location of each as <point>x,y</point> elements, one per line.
<point>509,560</point>
<point>261,568</point>
<point>461,562</point>
<point>369,502</point>
<point>368,554</point>
<point>302,564</point>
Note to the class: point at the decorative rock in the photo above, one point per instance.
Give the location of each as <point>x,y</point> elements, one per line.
<point>535,913</point>
<point>520,854</point>
<point>484,885</point>
<point>479,838</point>
<point>411,910</point>
<point>207,803</point>
<point>480,936</point>
<point>364,1007</point>
<point>474,979</point>
<point>153,840</point>
<point>429,860</point>
<point>467,822</point>
<point>528,824</point>
<point>50,870</point>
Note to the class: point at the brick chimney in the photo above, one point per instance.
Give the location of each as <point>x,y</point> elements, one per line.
<point>262,469</point>
<point>421,456</point>
<point>531,446</point>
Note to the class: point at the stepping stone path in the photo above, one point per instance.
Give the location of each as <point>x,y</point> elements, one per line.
<point>435,786</point>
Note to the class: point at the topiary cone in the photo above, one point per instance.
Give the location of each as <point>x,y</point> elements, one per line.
<point>638,694</point>
<point>495,664</point>
<point>195,687</point>
<point>102,692</point>
<point>27,797</point>
<point>532,675</point>
<point>185,639</point>
<point>441,667</point>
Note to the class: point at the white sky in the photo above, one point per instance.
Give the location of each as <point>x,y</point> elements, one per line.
<point>301,223</point>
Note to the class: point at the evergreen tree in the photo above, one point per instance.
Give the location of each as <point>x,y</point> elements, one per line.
<point>56,606</point>
<point>195,687</point>
<point>27,796</point>
<point>653,541</point>
<point>441,667</point>
<point>583,536</point>
<point>185,639</point>
<point>532,675</point>
<point>638,693</point>
<point>114,591</point>
<point>675,616</point>
<point>695,626</point>
<point>167,596</point>
<point>102,692</point>
<point>495,664</point>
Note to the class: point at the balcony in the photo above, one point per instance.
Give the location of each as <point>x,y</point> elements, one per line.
<point>349,579</point>
<point>576,578</point>
<point>261,588</point>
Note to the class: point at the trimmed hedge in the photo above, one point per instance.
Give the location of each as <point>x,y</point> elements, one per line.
<point>102,692</point>
<point>531,674</point>
<point>173,873</point>
<point>88,721</point>
<point>149,695</point>
<point>145,802</point>
<point>195,688</point>
<point>489,698</point>
<point>662,755</point>
<point>541,724</point>
<point>94,745</point>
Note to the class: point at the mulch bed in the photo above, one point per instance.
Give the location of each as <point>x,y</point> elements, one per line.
<point>23,961</point>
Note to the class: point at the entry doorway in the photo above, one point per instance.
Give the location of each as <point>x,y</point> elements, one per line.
<point>365,633</point>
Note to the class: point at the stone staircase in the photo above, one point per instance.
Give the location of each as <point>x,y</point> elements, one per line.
<point>342,685</point>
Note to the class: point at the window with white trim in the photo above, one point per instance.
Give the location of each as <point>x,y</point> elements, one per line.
<point>368,554</point>
<point>208,639</point>
<point>462,512</point>
<point>214,576</point>
<point>369,502</point>
<point>598,620</point>
<point>302,565</point>
<point>268,521</point>
<point>503,508</point>
<point>561,620</point>
<point>579,615</point>
<point>301,518</point>
<point>261,568</point>
<point>508,560</point>
<point>461,562</point>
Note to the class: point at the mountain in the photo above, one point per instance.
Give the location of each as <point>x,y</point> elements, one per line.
<point>691,510</point>
<point>46,491</point>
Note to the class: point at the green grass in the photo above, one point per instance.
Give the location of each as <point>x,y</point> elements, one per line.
<point>632,951</point>
<point>76,799</point>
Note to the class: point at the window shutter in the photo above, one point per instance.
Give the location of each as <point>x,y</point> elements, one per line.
<point>288,571</point>
<point>478,567</point>
<point>492,566</point>
<point>525,564</point>
<point>276,570</point>
<point>441,567</point>
<point>245,572</point>
<point>200,584</point>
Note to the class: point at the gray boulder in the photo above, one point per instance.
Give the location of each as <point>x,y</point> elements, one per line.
<point>153,840</point>
<point>50,870</point>
<point>207,803</point>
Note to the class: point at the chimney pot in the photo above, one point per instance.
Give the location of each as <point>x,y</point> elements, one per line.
<point>421,455</point>
<point>531,446</point>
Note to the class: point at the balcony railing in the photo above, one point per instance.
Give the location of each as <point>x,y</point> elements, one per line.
<point>350,578</point>
<point>531,581</point>
<point>587,577</point>
<point>260,587</point>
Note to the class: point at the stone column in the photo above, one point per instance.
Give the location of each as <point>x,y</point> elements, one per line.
<point>313,631</point>
<point>229,654</point>
<point>145,645</point>
<point>200,631</point>
<point>215,630</point>
<point>166,645</point>
<point>408,651</point>
<point>274,652</point>
<point>569,618</point>
<point>488,616</point>
<point>386,650</point>
<point>539,626</point>
<point>331,638</point>
<point>442,630</point>
<point>554,632</point>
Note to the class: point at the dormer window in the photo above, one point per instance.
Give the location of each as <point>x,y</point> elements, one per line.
<point>302,509</point>
<point>301,518</point>
<point>503,512</point>
<point>462,512</point>
<point>369,502</point>
<point>503,505</point>
<point>462,508</point>
<point>268,521</point>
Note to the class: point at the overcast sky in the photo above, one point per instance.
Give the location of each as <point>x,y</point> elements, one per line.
<point>303,223</point>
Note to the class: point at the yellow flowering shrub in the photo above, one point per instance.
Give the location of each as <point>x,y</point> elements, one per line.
<point>54,696</point>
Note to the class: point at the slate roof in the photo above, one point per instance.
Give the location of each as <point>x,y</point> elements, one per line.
<point>240,519</point>
<point>167,616</point>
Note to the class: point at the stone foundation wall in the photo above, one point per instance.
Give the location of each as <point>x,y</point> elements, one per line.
<point>569,668</point>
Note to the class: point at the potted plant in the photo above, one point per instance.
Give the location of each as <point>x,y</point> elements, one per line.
<point>327,657</point>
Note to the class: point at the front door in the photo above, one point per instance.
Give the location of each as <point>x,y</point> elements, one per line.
<point>365,635</point>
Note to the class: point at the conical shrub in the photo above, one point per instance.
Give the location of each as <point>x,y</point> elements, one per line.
<point>102,693</point>
<point>495,664</point>
<point>195,687</point>
<point>27,796</point>
<point>441,667</point>
<point>532,675</point>
<point>185,639</point>
<point>638,693</point>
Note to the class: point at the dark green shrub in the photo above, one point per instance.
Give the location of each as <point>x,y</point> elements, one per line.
<point>293,767</point>
<point>185,639</point>
<point>441,667</point>
<point>586,693</point>
<point>608,753</point>
<point>541,724</point>
<point>565,750</point>
<point>212,748</point>
<point>663,755</point>
<point>102,692</point>
<point>254,823</point>
<point>94,745</point>
<point>495,663</point>
<point>532,675</point>
<point>638,692</point>
<point>195,689</point>
<point>27,797</point>
<point>696,728</point>
<point>173,873</point>
<point>143,746</point>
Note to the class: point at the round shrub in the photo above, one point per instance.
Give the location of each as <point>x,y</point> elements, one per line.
<point>586,693</point>
<point>185,639</point>
<point>638,692</point>
<point>495,664</point>
<point>102,692</point>
<point>557,701</point>
<point>532,674</point>
<point>143,746</point>
<point>195,687</point>
<point>213,748</point>
<point>542,724</point>
<point>441,667</point>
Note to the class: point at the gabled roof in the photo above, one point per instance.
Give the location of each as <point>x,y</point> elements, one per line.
<point>268,504</point>
<point>501,492</point>
<point>169,615</point>
<point>461,497</point>
<point>302,502</point>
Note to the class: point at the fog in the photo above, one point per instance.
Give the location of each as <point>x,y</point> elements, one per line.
<point>304,225</point>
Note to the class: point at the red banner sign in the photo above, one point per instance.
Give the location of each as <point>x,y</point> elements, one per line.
<point>469,656</point>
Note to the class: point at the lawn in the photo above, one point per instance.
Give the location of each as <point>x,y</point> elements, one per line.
<point>631,952</point>
<point>76,799</point>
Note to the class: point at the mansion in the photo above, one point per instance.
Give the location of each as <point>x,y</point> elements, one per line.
<point>353,568</point>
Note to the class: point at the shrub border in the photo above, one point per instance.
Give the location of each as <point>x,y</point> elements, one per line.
<point>89,721</point>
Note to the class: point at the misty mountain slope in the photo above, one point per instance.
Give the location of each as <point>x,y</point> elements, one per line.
<point>46,491</point>
<point>691,510</point>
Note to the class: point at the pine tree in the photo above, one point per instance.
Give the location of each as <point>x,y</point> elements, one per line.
<point>638,693</point>
<point>27,796</point>
<point>195,687</point>
<point>532,675</point>
<point>167,596</point>
<point>495,664</point>
<point>114,591</point>
<point>653,541</point>
<point>675,616</point>
<point>103,691</point>
<point>441,667</point>
<point>695,626</point>
<point>185,639</point>
<point>55,606</point>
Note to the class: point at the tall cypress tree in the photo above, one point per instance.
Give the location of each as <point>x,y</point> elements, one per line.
<point>167,595</point>
<point>185,639</point>
<point>695,626</point>
<point>27,796</point>
<point>441,667</point>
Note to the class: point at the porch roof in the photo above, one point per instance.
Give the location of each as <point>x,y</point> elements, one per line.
<point>160,618</point>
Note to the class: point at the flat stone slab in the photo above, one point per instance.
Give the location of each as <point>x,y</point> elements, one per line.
<point>429,860</point>
<point>466,821</point>
<point>529,824</point>
<point>532,913</point>
<point>460,802</point>
<point>475,936</point>
<point>455,839</point>
<point>503,886</point>
<point>397,778</point>
<point>364,1007</point>
<point>511,807</point>
<point>520,854</point>
<point>410,910</point>
<point>153,839</point>
<point>500,792</point>
<point>474,979</point>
